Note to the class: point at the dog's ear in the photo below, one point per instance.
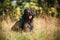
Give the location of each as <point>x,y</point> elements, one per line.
<point>26,12</point>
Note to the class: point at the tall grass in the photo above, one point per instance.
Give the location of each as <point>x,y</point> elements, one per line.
<point>44,29</point>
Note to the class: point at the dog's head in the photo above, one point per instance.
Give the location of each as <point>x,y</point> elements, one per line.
<point>30,12</point>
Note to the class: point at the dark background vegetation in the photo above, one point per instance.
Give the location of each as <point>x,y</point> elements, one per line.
<point>14,8</point>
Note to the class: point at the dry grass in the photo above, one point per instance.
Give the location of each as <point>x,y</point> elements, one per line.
<point>44,29</point>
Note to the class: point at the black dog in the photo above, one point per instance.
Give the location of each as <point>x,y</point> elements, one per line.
<point>26,22</point>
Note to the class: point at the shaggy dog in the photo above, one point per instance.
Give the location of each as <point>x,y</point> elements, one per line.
<point>26,22</point>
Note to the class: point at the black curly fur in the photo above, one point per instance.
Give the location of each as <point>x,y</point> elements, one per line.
<point>25,21</point>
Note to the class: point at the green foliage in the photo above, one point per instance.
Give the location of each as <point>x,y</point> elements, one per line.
<point>1,1</point>
<point>15,10</point>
